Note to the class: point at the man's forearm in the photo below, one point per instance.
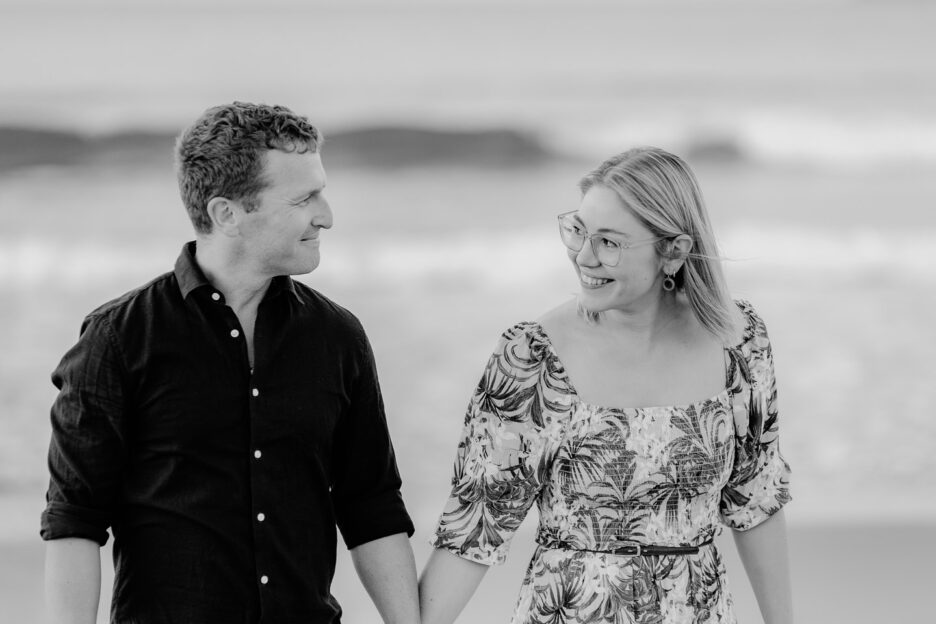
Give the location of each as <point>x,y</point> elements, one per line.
<point>72,581</point>
<point>388,571</point>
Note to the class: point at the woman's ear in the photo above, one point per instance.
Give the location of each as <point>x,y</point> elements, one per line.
<point>679,251</point>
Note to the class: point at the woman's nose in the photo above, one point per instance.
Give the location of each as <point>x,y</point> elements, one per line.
<point>586,255</point>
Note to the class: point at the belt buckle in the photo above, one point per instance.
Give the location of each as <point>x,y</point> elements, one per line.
<point>635,545</point>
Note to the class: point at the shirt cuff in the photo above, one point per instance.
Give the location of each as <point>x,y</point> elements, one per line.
<point>373,518</point>
<point>61,520</point>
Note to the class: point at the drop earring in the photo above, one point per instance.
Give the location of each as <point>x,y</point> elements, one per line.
<point>669,283</point>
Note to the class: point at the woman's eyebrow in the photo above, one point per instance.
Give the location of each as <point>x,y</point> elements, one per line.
<point>609,230</point>
<point>601,230</point>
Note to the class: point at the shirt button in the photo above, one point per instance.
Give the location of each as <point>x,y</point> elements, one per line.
<point>255,392</point>
<point>264,579</point>
<point>235,333</point>
<point>258,454</point>
<point>215,296</point>
<point>261,517</point>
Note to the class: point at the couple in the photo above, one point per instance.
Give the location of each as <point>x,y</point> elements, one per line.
<point>223,419</point>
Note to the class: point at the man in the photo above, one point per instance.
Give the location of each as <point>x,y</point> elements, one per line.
<point>223,419</point>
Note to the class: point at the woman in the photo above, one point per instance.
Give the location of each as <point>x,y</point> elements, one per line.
<point>640,418</point>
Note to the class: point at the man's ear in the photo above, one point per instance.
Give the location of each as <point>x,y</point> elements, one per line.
<point>223,214</point>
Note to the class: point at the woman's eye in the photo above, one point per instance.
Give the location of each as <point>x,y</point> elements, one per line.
<point>610,244</point>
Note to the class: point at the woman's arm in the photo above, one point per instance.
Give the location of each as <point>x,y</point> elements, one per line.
<point>445,585</point>
<point>763,551</point>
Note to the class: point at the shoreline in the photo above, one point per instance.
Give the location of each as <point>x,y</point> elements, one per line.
<point>858,574</point>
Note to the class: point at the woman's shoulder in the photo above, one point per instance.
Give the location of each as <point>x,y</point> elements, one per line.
<point>556,321</point>
<point>532,340</point>
<point>752,331</point>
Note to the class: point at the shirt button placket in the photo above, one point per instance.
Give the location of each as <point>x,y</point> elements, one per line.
<point>257,454</point>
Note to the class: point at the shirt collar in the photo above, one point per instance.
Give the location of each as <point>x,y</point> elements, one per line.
<point>190,276</point>
<point>187,272</point>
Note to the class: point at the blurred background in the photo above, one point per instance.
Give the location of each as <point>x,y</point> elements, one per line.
<point>456,131</point>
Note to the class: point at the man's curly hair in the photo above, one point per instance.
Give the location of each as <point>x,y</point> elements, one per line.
<point>221,154</point>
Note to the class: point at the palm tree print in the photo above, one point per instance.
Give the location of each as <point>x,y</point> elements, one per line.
<point>665,476</point>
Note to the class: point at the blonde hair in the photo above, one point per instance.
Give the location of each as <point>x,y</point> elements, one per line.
<point>664,195</point>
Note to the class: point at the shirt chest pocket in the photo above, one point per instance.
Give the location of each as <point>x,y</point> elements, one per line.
<point>188,413</point>
<point>301,414</point>
<point>183,404</point>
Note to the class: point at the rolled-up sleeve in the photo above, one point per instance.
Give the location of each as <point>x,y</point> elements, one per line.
<point>759,484</point>
<point>87,448</point>
<point>366,493</point>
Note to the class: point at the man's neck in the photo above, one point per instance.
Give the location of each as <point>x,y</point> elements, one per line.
<point>242,287</point>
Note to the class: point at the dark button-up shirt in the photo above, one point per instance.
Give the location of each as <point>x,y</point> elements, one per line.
<point>222,485</point>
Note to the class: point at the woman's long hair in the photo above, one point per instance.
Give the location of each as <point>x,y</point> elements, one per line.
<point>663,193</point>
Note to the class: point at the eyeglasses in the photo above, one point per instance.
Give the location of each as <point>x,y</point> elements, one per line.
<point>607,250</point>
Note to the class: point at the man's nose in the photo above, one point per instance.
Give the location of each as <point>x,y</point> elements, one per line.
<point>323,217</point>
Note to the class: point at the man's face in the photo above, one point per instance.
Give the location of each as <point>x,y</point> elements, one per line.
<point>281,237</point>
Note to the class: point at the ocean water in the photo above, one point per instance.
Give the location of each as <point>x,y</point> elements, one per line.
<point>811,127</point>
<point>437,272</point>
<point>438,261</point>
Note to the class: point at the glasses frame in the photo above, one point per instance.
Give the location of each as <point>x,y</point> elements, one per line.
<point>591,240</point>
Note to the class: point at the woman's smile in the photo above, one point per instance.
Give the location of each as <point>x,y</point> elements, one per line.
<point>589,281</point>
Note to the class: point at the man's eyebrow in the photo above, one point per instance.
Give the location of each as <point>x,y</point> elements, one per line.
<point>308,195</point>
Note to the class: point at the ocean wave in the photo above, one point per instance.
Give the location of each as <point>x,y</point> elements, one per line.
<point>502,261</point>
<point>756,136</point>
<point>767,137</point>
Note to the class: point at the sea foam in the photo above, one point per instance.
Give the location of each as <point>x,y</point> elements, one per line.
<point>499,260</point>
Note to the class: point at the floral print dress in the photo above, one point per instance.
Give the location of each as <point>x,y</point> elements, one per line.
<point>662,476</point>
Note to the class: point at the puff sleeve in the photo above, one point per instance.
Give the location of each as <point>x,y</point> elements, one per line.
<point>759,482</point>
<point>510,434</point>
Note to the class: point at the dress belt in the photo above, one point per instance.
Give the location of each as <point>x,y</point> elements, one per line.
<point>633,549</point>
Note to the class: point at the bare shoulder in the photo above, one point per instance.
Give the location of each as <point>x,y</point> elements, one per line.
<point>560,316</point>
<point>689,330</point>
<point>558,321</point>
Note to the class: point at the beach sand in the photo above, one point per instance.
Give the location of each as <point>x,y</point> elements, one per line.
<point>856,574</point>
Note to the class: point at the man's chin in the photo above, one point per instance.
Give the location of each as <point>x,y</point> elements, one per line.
<point>300,268</point>
<point>306,269</point>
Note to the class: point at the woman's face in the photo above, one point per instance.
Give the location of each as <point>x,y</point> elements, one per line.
<point>638,273</point>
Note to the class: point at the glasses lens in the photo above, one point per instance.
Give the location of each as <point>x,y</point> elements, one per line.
<point>607,251</point>
<point>573,236</point>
